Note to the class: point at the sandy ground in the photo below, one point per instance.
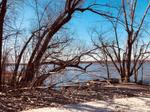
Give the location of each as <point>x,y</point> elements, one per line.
<point>134,104</point>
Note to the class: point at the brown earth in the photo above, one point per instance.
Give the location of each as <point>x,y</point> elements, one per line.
<point>13,100</point>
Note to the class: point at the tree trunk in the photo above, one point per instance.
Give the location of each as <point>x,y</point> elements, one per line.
<point>2,16</point>
<point>129,52</point>
<point>14,81</point>
<point>107,68</point>
<point>135,74</point>
<point>34,64</point>
<point>126,79</point>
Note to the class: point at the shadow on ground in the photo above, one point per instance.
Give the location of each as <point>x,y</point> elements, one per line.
<point>23,99</point>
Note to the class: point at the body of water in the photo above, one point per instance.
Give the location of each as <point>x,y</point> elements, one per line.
<point>95,71</point>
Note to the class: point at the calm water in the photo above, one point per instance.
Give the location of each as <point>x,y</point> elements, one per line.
<point>95,71</point>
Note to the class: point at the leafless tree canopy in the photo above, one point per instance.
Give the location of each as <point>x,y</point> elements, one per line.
<point>48,41</point>
<point>129,58</point>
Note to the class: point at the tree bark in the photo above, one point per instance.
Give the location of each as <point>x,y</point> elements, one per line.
<point>2,17</point>
<point>33,65</point>
<point>129,53</point>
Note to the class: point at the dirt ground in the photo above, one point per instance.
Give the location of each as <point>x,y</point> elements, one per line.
<point>132,104</point>
<point>93,91</point>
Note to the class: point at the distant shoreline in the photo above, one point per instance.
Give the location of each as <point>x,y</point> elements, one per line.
<point>82,62</point>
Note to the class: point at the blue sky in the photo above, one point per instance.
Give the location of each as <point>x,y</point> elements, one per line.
<point>82,23</point>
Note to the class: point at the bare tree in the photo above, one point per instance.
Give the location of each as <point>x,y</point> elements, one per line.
<point>122,57</point>
<point>48,30</point>
<point>48,25</point>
